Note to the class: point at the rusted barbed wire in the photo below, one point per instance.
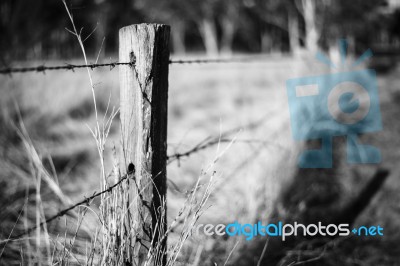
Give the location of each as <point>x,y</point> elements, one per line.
<point>72,67</point>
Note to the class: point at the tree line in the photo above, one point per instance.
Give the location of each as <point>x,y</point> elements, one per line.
<point>36,29</point>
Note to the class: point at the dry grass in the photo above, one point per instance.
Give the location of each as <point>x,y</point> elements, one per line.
<point>59,131</point>
<point>204,101</point>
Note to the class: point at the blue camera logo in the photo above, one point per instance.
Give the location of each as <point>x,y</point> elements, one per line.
<point>338,104</point>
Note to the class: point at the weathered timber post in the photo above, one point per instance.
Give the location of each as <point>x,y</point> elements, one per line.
<point>143,113</point>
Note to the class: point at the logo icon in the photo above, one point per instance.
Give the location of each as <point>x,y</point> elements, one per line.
<point>345,103</point>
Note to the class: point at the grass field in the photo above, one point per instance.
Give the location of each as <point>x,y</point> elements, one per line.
<point>247,100</point>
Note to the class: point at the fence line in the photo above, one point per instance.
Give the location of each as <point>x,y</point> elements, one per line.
<point>72,67</point>
<point>87,200</point>
<point>202,145</point>
<point>144,64</point>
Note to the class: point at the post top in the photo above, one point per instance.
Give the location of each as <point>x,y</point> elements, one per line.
<point>155,26</point>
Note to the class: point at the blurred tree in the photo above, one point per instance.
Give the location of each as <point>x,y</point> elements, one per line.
<point>207,15</point>
<point>278,18</point>
<point>177,13</point>
<point>36,29</point>
<point>395,26</point>
<point>228,17</point>
<point>312,34</point>
<point>109,16</point>
<point>206,23</point>
<point>326,21</point>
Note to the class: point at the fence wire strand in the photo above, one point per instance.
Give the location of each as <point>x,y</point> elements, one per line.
<point>201,146</point>
<point>63,212</point>
<point>251,59</point>
<point>72,67</point>
<point>204,144</point>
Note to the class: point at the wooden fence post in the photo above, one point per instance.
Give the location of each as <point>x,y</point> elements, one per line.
<point>143,113</point>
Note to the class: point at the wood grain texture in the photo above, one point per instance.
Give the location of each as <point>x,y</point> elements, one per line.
<point>143,113</point>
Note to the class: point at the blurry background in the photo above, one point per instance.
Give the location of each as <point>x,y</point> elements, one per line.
<point>36,30</point>
<point>246,101</point>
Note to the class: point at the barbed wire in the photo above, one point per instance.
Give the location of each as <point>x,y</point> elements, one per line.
<point>204,144</point>
<point>222,138</point>
<point>72,67</point>
<point>250,59</point>
<point>65,211</point>
<point>95,195</point>
<point>43,68</point>
<point>87,201</point>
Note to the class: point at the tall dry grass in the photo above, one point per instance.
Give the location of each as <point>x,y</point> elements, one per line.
<point>79,239</point>
<point>58,128</point>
